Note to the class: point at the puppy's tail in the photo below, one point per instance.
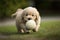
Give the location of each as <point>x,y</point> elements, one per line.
<point>14,15</point>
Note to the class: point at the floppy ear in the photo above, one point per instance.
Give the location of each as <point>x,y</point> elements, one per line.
<point>37,17</point>
<point>22,16</point>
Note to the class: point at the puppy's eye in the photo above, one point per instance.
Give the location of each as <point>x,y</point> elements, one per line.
<point>32,15</point>
<point>26,14</point>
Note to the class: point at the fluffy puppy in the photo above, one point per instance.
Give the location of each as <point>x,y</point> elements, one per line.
<point>23,15</point>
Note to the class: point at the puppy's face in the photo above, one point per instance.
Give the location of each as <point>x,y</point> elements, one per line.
<point>29,16</point>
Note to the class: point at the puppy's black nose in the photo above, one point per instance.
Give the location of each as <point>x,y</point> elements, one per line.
<point>29,18</point>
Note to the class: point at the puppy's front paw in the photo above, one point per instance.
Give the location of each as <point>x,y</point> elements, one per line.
<point>34,30</point>
<point>27,32</point>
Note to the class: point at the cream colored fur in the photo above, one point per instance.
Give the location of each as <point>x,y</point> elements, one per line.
<point>21,18</point>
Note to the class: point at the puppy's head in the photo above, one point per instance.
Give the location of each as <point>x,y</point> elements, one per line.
<point>30,13</point>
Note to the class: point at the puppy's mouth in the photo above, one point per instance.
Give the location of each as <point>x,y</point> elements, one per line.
<point>26,21</point>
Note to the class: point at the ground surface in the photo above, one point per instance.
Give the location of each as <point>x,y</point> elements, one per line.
<point>49,30</point>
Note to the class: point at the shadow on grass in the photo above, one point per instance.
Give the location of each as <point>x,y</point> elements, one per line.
<point>33,36</point>
<point>13,33</point>
<point>53,37</point>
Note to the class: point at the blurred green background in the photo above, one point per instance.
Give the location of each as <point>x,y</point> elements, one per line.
<point>7,7</point>
<point>45,7</point>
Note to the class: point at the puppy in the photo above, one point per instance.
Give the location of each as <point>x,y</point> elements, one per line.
<point>24,15</point>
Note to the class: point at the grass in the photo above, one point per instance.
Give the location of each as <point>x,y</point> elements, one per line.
<point>49,30</point>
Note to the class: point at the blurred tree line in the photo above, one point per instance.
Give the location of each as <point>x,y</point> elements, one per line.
<point>7,7</point>
<point>45,7</point>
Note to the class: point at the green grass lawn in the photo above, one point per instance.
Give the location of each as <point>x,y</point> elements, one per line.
<point>49,30</point>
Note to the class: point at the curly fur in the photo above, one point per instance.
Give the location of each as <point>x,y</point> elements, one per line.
<point>23,15</point>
